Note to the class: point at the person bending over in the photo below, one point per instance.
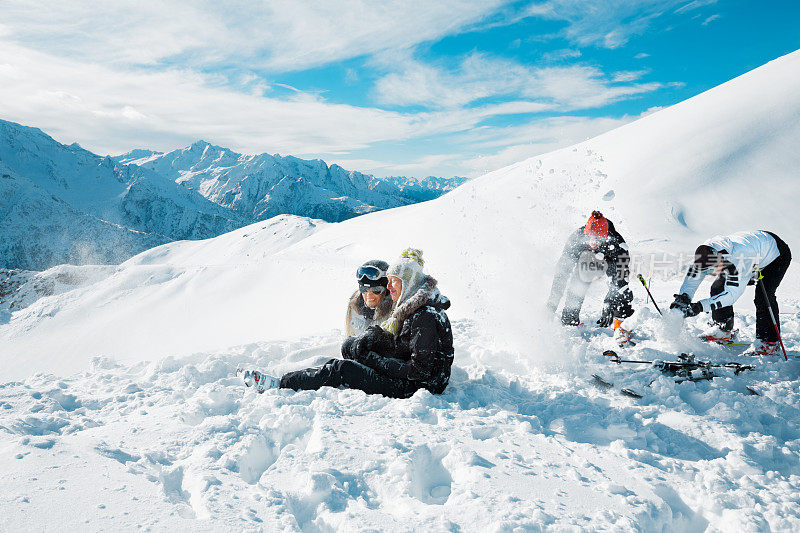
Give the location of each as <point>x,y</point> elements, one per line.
<point>735,261</point>
<point>593,252</point>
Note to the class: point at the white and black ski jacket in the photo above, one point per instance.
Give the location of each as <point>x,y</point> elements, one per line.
<point>742,252</point>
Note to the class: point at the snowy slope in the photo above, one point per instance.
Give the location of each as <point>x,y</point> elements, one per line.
<point>518,440</point>
<point>262,186</point>
<point>64,204</point>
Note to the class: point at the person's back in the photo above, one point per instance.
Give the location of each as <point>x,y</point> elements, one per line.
<point>424,337</point>
<point>428,330</point>
<point>746,248</point>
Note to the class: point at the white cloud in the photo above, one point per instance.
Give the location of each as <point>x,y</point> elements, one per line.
<point>711,19</point>
<point>281,35</point>
<point>695,4</point>
<point>608,23</point>
<point>514,144</point>
<point>641,55</point>
<point>625,76</point>
<point>120,110</point>
<point>481,76</point>
<point>562,54</point>
<point>487,148</point>
<point>423,166</point>
<point>119,75</point>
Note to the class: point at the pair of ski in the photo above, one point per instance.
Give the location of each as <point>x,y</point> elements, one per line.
<point>686,368</point>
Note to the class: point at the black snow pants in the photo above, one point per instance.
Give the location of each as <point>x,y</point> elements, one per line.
<point>773,275</point>
<point>349,374</point>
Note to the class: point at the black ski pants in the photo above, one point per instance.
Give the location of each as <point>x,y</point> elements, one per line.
<point>349,374</point>
<point>773,275</point>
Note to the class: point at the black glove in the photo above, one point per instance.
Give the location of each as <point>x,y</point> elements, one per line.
<point>684,304</point>
<point>374,339</point>
<point>607,317</point>
<point>349,349</point>
<point>682,301</point>
<point>694,309</point>
<point>379,340</point>
<point>570,317</point>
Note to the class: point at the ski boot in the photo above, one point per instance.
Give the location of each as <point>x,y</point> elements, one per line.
<point>760,347</point>
<point>259,380</point>
<point>715,333</point>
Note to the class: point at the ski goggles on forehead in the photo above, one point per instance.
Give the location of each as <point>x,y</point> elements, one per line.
<point>371,273</point>
<point>374,289</point>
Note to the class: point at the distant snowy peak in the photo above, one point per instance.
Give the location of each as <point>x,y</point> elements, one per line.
<point>138,156</point>
<point>65,204</point>
<point>423,189</point>
<point>264,185</point>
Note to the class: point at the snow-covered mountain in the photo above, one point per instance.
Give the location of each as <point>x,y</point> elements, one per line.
<point>517,441</point>
<point>61,204</point>
<point>261,186</point>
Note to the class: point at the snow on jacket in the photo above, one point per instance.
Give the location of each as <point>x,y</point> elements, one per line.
<point>612,254</point>
<point>742,253</point>
<point>360,317</point>
<point>423,347</point>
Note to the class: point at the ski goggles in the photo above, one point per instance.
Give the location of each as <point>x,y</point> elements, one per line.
<point>374,289</point>
<point>370,272</point>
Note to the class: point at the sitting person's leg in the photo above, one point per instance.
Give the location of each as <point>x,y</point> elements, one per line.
<point>350,374</point>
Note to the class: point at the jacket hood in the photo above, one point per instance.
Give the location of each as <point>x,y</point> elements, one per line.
<point>427,293</point>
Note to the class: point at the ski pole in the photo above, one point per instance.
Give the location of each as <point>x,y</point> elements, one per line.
<point>644,283</point>
<point>771,314</point>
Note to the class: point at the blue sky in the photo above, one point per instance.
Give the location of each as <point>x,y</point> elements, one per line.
<point>455,87</point>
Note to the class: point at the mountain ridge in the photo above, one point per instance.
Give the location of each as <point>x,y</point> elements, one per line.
<point>64,204</point>
<point>263,185</point>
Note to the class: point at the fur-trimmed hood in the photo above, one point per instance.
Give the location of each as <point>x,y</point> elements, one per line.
<point>358,312</point>
<point>427,294</point>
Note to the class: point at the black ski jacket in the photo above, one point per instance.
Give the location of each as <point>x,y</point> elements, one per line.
<point>614,251</point>
<point>423,348</point>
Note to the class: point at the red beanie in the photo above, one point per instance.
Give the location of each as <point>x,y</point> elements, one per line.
<point>597,226</point>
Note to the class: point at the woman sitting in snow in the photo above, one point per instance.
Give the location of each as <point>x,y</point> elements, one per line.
<point>411,350</point>
<point>370,304</point>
